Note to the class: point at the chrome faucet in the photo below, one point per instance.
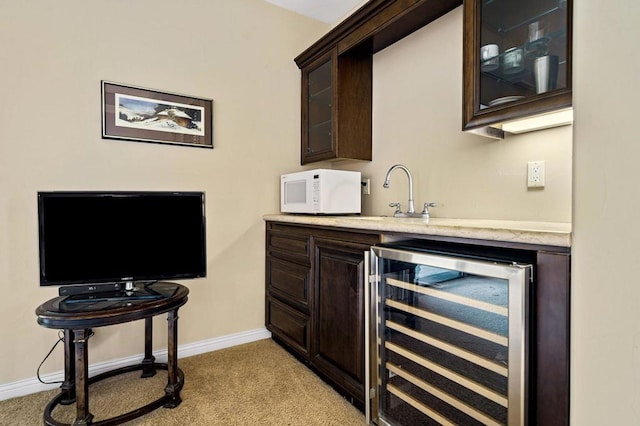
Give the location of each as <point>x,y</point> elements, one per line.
<point>411,209</point>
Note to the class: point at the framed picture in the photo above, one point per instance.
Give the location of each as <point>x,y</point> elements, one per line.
<point>146,115</point>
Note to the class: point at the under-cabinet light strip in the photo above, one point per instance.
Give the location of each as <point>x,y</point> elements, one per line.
<point>538,122</point>
<point>451,375</point>
<point>489,307</point>
<point>444,396</point>
<point>448,322</point>
<point>454,350</point>
<point>419,406</point>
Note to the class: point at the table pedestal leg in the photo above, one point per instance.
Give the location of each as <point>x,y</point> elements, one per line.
<point>172,389</point>
<point>148,369</point>
<point>68,386</point>
<point>80,341</point>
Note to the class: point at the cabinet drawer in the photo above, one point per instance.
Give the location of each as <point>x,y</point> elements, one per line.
<point>289,246</point>
<point>289,281</point>
<point>289,325</point>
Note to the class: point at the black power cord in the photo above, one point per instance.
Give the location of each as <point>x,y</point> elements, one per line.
<point>60,339</point>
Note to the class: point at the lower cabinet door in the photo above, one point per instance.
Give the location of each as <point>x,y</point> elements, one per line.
<point>337,349</point>
<point>288,325</point>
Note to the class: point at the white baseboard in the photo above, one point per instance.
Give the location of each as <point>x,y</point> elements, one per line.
<point>32,385</point>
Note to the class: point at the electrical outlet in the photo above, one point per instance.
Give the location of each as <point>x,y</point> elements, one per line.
<point>535,174</point>
<point>366,186</point>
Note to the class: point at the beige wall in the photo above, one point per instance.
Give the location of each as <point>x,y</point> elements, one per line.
<point>605,341</point>
<point>54,57</point>
<point>54,54</point>
<point>417,93</point>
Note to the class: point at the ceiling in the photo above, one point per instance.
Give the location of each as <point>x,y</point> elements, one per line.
<point>329,11</point>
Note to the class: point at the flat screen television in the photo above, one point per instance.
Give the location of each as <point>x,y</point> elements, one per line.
<point>120,237</point>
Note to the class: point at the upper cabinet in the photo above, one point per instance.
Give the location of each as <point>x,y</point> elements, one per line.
<point>336,107</point>
<point>517,60</point>
<point>337,75</point>
<point>516,64</point>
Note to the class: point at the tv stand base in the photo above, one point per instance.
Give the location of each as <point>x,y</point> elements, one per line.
<point>78,325</point>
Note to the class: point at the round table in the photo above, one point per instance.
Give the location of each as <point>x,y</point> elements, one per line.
<point>77,319</point>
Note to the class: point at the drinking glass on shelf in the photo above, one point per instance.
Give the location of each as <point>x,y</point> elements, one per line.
<point>513,60</point>
<point>538,42</point>
<point>536,31</point>
<point>489,57</point>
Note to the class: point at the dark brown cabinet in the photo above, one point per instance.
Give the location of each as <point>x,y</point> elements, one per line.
<point>516,63</point>
<point>336,107</point>
<point>337,346</point>
<point>315,300</point>
<point>516,59</point>
<point>337,75</point>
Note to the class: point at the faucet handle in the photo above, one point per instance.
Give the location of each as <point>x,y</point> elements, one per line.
<point>397,206</point>
<point>425,209</point>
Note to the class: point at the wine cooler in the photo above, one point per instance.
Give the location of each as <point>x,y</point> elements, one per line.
<point>447,339</point>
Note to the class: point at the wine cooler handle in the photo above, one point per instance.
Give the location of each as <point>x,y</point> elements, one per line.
<point>370,336</point>
<point>367,336</point>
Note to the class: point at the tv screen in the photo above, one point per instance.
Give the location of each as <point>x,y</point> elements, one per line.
<point>105,237</point>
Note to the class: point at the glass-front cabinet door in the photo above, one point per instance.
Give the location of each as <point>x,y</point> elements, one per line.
<point>517,59</point>
<point>318,109</point>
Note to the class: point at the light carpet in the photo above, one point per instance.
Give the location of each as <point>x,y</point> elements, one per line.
<point>257,383</point>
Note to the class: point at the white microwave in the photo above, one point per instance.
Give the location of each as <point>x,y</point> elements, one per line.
<point>321,191</point>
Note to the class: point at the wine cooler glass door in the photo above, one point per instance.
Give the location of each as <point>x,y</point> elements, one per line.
<point>448,340</point>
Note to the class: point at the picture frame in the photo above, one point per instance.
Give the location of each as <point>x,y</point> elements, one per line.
<point>147,115</point>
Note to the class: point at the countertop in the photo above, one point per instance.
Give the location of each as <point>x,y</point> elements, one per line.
<point>539,233</point>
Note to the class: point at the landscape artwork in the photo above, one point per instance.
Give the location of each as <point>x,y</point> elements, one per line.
<point>147,115</point>
<point>141,113</point>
